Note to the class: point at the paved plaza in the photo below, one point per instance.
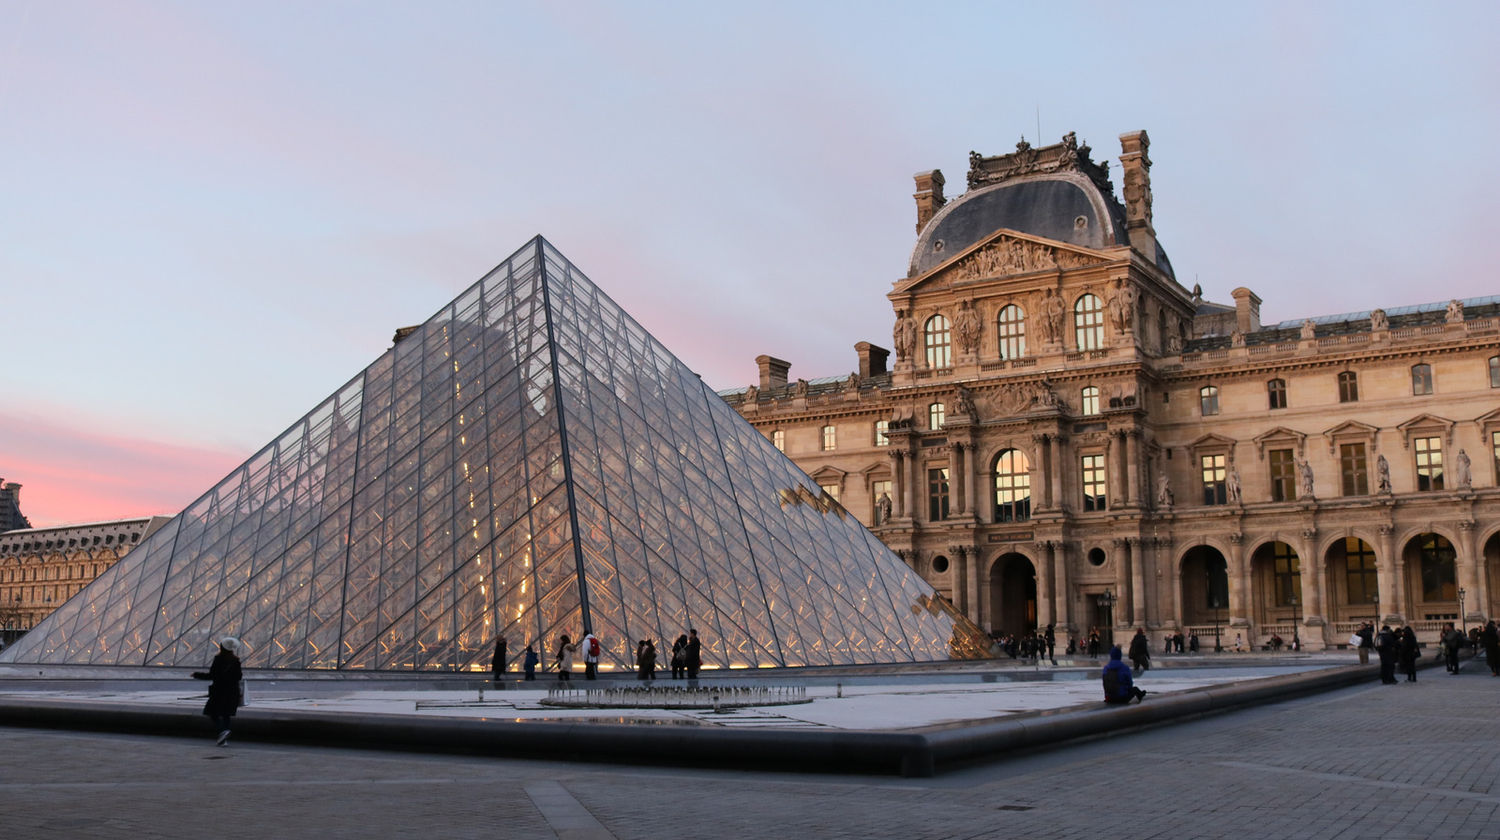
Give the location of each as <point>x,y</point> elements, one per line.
<point>1370,761</point>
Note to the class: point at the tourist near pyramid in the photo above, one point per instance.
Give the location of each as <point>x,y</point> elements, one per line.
<point>528,462</point>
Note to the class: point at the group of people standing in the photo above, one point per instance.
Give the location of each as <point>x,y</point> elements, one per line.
<point>687,657</point>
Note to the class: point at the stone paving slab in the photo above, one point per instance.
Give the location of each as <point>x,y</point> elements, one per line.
<point>1414,760</point>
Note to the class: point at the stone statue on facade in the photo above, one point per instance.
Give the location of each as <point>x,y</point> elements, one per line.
<point>1121,306</point>
<point>883,509</point>
<point>800,389</point>
<point>1052,317</point>
<point>1379,321</point>
<point>1305,478</point>
<point>1232,485</point>
<point>1455,311</point>
<point>852,383</point>
<point>966,327</point>
<point>1174,344</point>
<point>905,335</point>
<point>1236,339</point>
<point>752,395</point>
<point>1309,329</point>
<point>1163,491</point>
<point>965,402</point>
<point>1382,475</point>
<point>1463,471</point>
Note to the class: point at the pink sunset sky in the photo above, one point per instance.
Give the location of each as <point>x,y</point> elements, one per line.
<point>212,215</point>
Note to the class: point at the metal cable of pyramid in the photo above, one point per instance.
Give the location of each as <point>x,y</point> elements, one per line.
<point>529,462</point>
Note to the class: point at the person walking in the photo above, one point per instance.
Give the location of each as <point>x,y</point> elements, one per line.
<point>591,651</point>
<point>1453,642</point>
<point>645,660</point>
<point>1051,638</point>
<point>565,651</point>
<point>529,662</point>
<point>1407,652</point>
<point>224,675</point>
<point>1490,639</point>
<point>1386,646</point>
<point>1140,652</point>
<point>679,657</point>
<point>497,665</point>
<point>1119,686</point>
<point>1366,634</point>
<point>694,654</point>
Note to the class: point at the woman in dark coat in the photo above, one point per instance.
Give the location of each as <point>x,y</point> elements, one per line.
<point>224,686</point>
<point>1489,637</point>
<point>1407,653</point>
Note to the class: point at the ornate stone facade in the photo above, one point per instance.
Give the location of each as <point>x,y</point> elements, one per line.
<point>1108,449</point>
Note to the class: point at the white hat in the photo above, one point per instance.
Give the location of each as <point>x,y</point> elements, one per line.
<point>230,644</point>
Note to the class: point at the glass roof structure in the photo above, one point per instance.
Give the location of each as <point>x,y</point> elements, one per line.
<point>528,462</point>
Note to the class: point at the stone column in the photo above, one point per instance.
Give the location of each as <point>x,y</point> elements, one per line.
<point>956,476</point>
<point>1139,598</point>
<point>1388,573</point>
<point>1238,570</point>
<point>915,481</point>
<point>1062,612</point>
<point>960,579</point>
<point>1111,473</point>
<point>898,484</point>
<point>1132,466</point>
<point>979,612</point>
<point>1311,571</point>
<point>1469,569</point>
<point>971,496</point>
<point>1161,549</point>
<point>1055,470</point>
<point>1041,473</point>
<point>1045,590</point>
<point>1124,598</point>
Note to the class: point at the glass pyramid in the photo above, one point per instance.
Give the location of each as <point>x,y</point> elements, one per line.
<point>528,462</point>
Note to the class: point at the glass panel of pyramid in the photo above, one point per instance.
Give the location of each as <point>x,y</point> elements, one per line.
<point>529,462</point>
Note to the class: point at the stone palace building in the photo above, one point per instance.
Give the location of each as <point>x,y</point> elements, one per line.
<point>1066,435</point>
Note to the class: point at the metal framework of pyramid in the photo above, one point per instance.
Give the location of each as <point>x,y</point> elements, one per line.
<point>528,462</point>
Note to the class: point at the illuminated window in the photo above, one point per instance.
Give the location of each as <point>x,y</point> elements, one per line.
<point>1283,475</point>
<point>778,440</point>
<point>1429,455</point>
<point>1276,393</point>
<point>1288,574</point>
<point>938,341</point>
<point>1208,400</point>
<point>830,438</point>
<point>1012,330</point>
<point>1421,380</point>
<point>1088,323</point>
<point>832,490</point>
<point>1093,483</point>
<point>937,494</point>
<point>1215,475</point>
<point>882,433</point>
<point>1088,403</point>
<point>1495,453</point>
<point>1348,387</point>
<point>1012,486</point>
<point>935,414</point>
<point>1354,478</point>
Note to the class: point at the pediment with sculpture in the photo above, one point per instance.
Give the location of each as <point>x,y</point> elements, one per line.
<point>1006,254</point>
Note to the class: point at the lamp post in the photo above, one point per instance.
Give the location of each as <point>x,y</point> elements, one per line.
<point>1296,619</point>
<point>1462,624</point>
<point>1213,601</point>
<point>1107,601</point>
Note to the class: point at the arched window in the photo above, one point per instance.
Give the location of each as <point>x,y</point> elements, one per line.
<point>1439,568</point>
<point>830,438</point>
<point>1276,393</point>
<point>1208,400</point>
<point>1011,326</point>
<point>1088,401</point>
<point>1348,387</point>
<point>1421,380</point>
<point>1287,571</point>
<point>1088,323</point>
<point>937,339</point>
<point>935,415</point>
<point>1012,486</point>
<point>778,439</point>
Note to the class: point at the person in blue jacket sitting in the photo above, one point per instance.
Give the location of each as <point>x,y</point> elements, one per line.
<point>1119,688</point>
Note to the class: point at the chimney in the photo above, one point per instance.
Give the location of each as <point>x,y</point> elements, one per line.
<point>929,196</point>
<point>1136,168</point>
<point>871,359</point>
<point>772,372</point>
<point>1246,310</point>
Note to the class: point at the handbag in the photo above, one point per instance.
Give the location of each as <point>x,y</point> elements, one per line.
<point>1356,640</point>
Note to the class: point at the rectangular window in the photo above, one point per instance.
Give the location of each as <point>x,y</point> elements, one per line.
<point>1208,399</point>
<point>1495,371</point>
<point>877,490</point>
<point>1093,483</point>
<point>830,439</point>
<point>832,490</point>
<point>1429,454</point>
<point>882,433</point>
<point>1288,574</point>
<point>1355,478</point>
<point>1215,479</point>
<point>1348,387</point>
<point>1421,380</point>
<point>1276,393</point>
<point>1283,475</point>
<point>937,494</point>
<point>1495,452</point>
<point>1361,576</point>
<point>778,440</point>
<point>1090,401</point>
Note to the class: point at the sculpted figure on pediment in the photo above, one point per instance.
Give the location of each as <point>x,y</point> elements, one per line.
<point>752,395</point>
<point>1309,329</point>
<point>1455,312</point>
<point>1379,321</point>
<point>800,389</point>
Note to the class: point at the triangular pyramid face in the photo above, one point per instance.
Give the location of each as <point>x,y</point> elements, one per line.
<point>529,462</point>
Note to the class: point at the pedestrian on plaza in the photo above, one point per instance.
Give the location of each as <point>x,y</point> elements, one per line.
<point>530,661</point>
<point>497,665</point>
<point>1140,652</point>
<point>1051,638</point>
<point>1407,652</point>
<point>694,654</point>
<point>224,687</point>
<point>1093,642</point>
<point>1490,638</point>
<point>679,657</point>
<point>1453,641</point>
<point>1239,643</point>
<point>591,651</point>
<point>1366,634</point>
<point>1386,645</point>
<point>565,651</point>
<point>1119,686</point>
<point>1193,642</point>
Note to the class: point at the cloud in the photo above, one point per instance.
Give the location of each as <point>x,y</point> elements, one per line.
<point>70,474</point>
